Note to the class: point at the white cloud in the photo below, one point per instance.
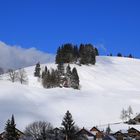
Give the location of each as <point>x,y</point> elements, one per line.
<point>18,57</point>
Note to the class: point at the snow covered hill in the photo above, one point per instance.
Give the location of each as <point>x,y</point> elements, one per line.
<point>112,84</point>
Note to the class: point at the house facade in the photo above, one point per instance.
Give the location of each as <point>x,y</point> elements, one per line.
<point>87,134</point>
<point>99,135</point>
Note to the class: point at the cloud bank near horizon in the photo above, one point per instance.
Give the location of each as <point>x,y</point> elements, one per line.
<point>17,57</point>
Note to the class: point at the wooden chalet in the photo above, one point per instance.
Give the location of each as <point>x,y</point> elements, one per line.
<point>137,118</point>
<point>120,136</point>
<point>88,134</point>
<point>132,132</point>
<point>99,135</point>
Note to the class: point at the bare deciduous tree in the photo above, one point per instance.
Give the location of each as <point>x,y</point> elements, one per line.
<point>22,76</point>
<point>39,130</point>
<point>124,115</point>
<point>12,75</point>
<point>130,112</point>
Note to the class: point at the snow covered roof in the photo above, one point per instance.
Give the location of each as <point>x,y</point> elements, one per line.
<point>138,116</point>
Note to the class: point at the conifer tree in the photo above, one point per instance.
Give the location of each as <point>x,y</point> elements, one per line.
<point>60,68</point>
<point>87,54</point>
<point>7,135</point>
<point>130,56</point>
<point>81,49</point>
<point>68,54</point>
<point>97,52</point>
<point>10,130</point>
<point>46,69</point>
<point>44,72</point>
<point>48,79</point>
<point>75,53</point>
<point>69,129</point>
<point>37,70</point>
<point>119,55</point>
<point>75,79</point>
<point>58,58</point>
<point>108,130</point>
<point>68,75</point>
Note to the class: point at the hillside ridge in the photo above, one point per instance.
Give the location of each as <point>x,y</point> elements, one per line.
<point>106,88</point>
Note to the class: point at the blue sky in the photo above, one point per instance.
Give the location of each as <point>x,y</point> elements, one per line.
<point>112,25</point>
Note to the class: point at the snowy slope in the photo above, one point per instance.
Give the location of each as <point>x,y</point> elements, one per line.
<point>112,84</point>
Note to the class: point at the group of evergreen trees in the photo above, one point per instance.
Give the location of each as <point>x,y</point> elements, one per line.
<point>50,78</point>
<point>120,55</point>
<point>60,78</point>
<point>84,54</point>
<point>65,77</point>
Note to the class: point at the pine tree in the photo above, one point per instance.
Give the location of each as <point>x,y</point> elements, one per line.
<point>60,68</point>
<point>87,54</point>
<point>57,78</point>
<point>68,53</point>
<point>82,54</point>
<point>53,78</point>
<point>58,58</point>
<point>81,49</point>
<point>37,70</point>
<point>108,129</point>
<point>7,135</point>
<point>48,79</point>
<point>75,79</point>
<point>69,129</point>
<point>46,69</point>
<point>68,70</point>
<point>10,130</point>
<point>130,56</point>
<point>44,72</point>
<point>119,55</point>
<point>97,52</point>
<point>68,75</point>
<point>75,53</point>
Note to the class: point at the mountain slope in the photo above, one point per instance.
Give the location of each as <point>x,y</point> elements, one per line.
<point>112,84</point>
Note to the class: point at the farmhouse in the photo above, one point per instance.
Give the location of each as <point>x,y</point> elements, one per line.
<point>99,135</point>
<point>137,118</point>
<point>133,133</point>
<point>88,134</point>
